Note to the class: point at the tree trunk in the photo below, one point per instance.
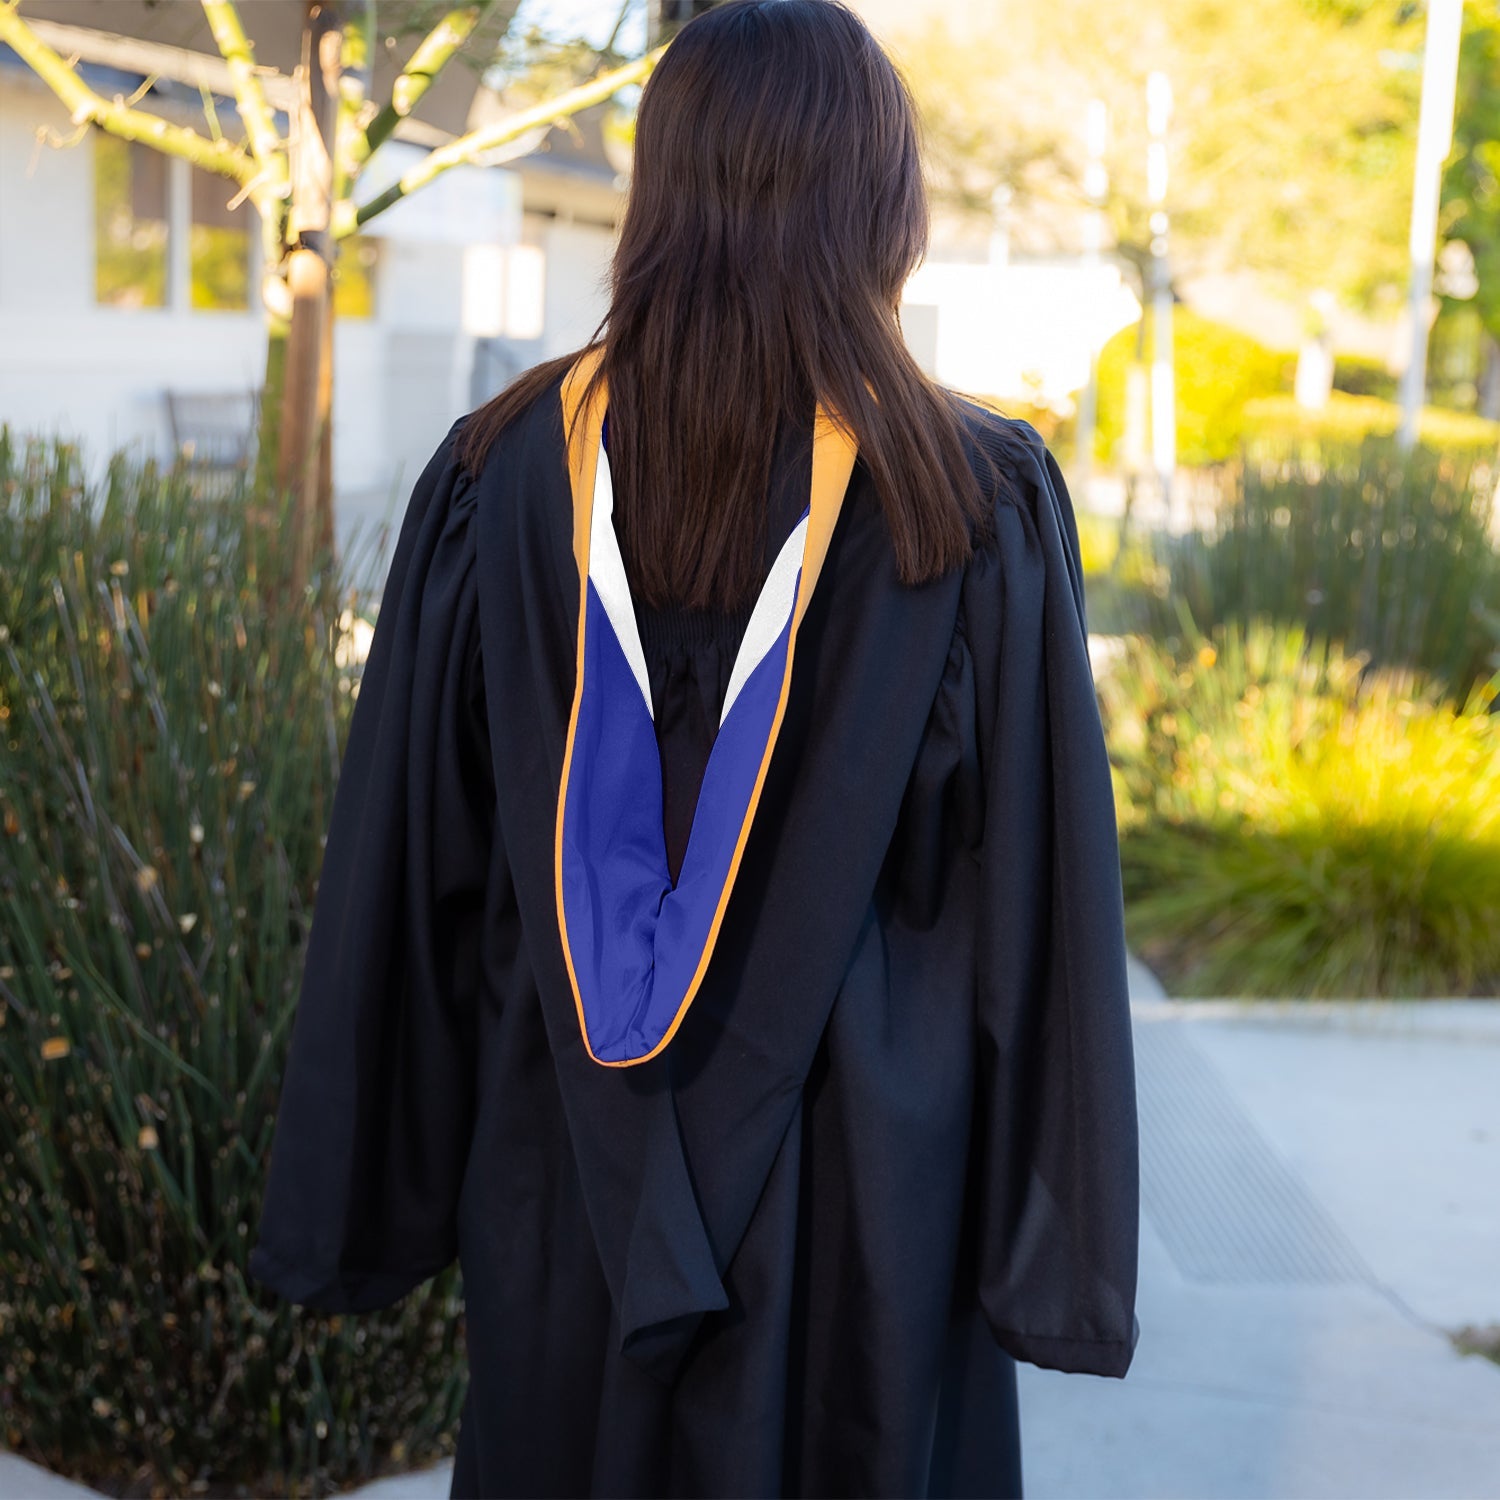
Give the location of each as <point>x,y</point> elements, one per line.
<point>1134,442</point>
<point>268,435</point>
<point>302,467</point>
<point>323,532</point>
<point>298,465</point>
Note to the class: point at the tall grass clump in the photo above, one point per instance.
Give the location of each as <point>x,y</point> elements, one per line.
<point>170,734</point>
<point>1296,824</point>
<point>1392,554</point>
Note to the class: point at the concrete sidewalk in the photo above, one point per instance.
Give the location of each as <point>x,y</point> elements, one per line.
<point>1320,1206</point>
<point>1320,1192</point>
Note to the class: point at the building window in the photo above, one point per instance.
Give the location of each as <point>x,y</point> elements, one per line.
<point>219,244</point>
<point>130,223</point>
<point>164,234</point>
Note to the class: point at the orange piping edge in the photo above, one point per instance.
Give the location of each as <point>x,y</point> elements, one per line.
<point>580,477</point>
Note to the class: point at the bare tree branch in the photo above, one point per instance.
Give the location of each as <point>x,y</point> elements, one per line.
<point>467,147</point>
<point>356,60</point>
<point>118,118</point>
<point>614,31</point>
<point>250,97</point>
<point>433,54</point>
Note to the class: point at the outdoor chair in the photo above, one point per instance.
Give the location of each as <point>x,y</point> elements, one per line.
<point>213,437</point>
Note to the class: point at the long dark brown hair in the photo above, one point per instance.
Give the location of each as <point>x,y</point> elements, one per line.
<point>776,208</point>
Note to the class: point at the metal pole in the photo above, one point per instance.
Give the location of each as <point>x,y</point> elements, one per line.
<point>1000,200</point>
<point>1095,186</point>
<point>179,234</point>
<point>1163,394</point>
<point>1434,140</point>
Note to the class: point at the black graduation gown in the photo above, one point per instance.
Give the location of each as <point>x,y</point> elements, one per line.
<point>892,1146</point>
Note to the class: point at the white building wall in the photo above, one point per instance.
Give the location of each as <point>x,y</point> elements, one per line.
<point>97,374</point>
<point>46,207</point>
<point>68,366</point>
<point>577,286</point>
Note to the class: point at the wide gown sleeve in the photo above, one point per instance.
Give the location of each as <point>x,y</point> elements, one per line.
<point>377,1098</point>
<point>1057,1130</point>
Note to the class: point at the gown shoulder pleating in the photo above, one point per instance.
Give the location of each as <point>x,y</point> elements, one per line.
<point>890,1149</point>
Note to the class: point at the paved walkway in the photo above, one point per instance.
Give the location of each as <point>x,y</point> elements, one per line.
<point>1320,1205</point>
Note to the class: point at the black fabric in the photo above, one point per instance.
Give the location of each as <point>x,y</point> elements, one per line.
<point>690,652</point>
<point>892,1147</point>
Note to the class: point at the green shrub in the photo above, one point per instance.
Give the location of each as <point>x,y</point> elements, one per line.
<point>168,752</point>
<point>1216,369</point>
<point>1359,375</point>
<point>1347,419</point>
<point>1387,552</point>
<point>1455,357</point>
<point>1295,824</point>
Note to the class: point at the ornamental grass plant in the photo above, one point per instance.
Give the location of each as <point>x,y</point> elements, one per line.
<point>1391,553</point>
<point>1295,823</point>
<point>171,725</point>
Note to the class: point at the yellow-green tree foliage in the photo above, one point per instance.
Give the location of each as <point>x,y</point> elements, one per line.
<point>1291,144</point>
